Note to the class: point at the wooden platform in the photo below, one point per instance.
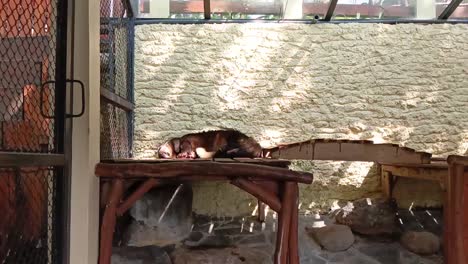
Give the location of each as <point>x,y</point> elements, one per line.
<point>269,180</point>
<point>452,175</point>
<point>431,172</point>
<point>268,162</point>
<point>348,150</point>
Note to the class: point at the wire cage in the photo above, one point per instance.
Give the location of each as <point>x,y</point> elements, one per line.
<point>28,222</point>
<point>27,59</point>
<point>30,64</point>
<point>116,54</point>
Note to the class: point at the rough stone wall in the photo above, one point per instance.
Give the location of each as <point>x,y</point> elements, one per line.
<point>404,84</point>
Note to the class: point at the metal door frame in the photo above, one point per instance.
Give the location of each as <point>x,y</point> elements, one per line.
<point>60,158</point>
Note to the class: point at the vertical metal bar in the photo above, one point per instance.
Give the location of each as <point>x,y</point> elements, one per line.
<point>130,79</point>
<point>207,9</point>
<point>60,75</point>
<point>111,52</point>
<point>2,136</point>
<point>331,9</point>
<point>60,241</point>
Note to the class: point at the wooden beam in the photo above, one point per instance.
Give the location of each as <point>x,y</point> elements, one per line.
<point>116,100</point>
<point>455,159</point>
<point>20,159</point>
<point>137,194</point>
<point>294,228</point>
<point>187,169</point>
<point>266,162</point>
<point>284,224</point>
<point>109,220</point>
<point>263,195</point>
<point>431,173</point>
<point>386,183</point>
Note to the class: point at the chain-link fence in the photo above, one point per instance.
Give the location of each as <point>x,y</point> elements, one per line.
<point>28,215</point>
<point>29,41</point>
<point>116,79</point>
<point>27,60</point>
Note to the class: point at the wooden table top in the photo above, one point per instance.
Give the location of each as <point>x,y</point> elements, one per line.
<point>201,169</point>
<point>258,161</point>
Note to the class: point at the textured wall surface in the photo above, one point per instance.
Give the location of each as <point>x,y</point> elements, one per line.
<point>404,84</point>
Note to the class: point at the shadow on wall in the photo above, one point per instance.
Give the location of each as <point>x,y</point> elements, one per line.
<point>294,82</point>
<point>289,83</point>
<point>335,183</point>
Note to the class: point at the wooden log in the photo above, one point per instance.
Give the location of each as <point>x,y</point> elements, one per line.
<point>448,216</point>
<point>293,235</point>
<point>447,220</point>
<point>463,160</point>
<point>259,161</point>
<point>284,221</point>
<point>457,237</point>
<point>386,182</point>
<point>179,169</point>
<point>429,172</point>
<point>455,233</point>
<point>137,194</point>
<point>271,186</point>
<point>267,162</point>
<point>104,191</point>
<point>260,193</point>
<point>108,222</point>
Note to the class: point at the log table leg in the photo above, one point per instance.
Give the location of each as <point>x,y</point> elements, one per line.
<point>136,195</point>
<point>293,235</point>
<point>387,183</point>
<point>108,222</point>
<point>284,221</point>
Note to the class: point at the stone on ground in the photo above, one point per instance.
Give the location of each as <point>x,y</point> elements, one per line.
<point>376,217</point>
<point>422,242</point>
<point>333,237</point>
<point>139,255</point>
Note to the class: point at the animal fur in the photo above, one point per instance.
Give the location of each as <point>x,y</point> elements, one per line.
<point>227,143</point>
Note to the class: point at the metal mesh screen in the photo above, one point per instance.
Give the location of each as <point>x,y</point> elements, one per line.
<point>115,134</point>
<point>27,224</point>
<point>27,59</point>
<point>116,78</point>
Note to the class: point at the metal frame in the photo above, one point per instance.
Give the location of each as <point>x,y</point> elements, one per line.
<point>131,80</point>
<point>109,94</point>
<point>62,219</point>
<point>331,10</point>
<point>57,159</point>
<point>448,11</point>
<point>20,159</point>
<point>116,100</point>
<point>143,21</point>
<point>207,8</point>
<point>443,18</point>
